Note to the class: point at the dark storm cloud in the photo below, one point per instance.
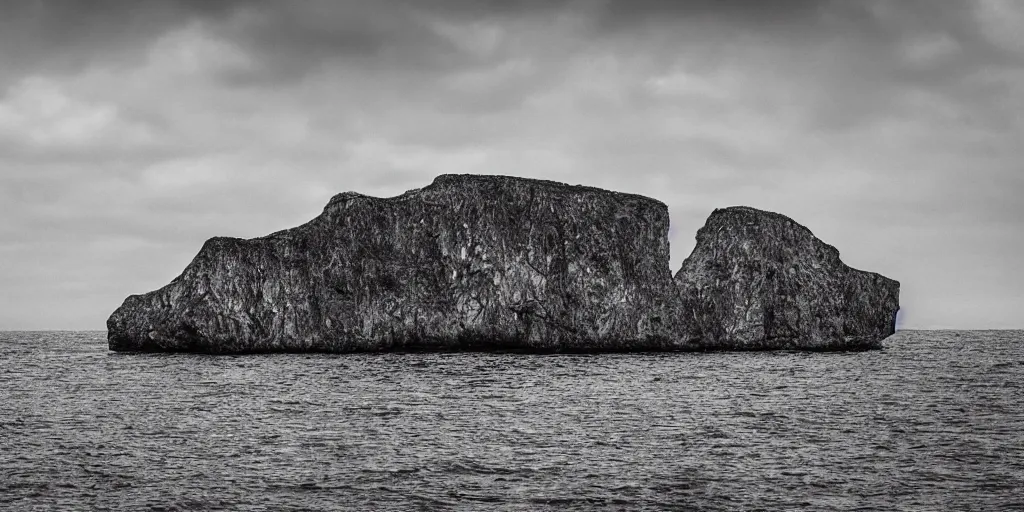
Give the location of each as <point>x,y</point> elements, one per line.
<point>291,38</point>
<point>625,14</point>
<point>65,37</point>
<point>298,37</point>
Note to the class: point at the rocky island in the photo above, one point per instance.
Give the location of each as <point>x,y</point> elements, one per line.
<point>501,263</point>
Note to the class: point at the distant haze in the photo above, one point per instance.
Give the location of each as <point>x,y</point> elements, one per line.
<point>133,130</point>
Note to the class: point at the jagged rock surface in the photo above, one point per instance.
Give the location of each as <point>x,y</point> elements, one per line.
<point>467,262</point>
<point>494,262</point>
<point>758,280</point>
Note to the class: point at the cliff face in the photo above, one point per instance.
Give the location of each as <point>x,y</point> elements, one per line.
<point>758,280</point>
<point>467,262</point>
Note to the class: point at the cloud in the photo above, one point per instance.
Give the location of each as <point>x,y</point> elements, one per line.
<point>38,114</point>
<point>131,131</point>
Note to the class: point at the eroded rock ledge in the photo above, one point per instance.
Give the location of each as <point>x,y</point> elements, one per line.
<point>501,263</point>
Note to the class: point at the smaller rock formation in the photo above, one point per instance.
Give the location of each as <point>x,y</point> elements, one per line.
<point>758,280</point>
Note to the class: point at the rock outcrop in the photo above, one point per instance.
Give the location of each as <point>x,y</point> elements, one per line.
<point>468,262</point>
<point>758,280</point>
<point>494,262</point>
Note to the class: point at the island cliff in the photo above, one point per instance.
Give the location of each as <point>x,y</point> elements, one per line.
<point>467,262</point>
<point>494,262</point>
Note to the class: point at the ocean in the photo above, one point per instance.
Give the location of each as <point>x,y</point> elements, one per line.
<point>935,421</point>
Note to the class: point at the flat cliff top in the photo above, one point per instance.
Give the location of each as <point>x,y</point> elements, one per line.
<point>456,181</point>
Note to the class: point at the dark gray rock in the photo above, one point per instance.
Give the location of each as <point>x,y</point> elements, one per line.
<point>469,262</point>
<point>494,262</point>
<point>758,280</point>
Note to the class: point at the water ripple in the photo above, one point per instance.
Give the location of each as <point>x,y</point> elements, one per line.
<point>933,422</point>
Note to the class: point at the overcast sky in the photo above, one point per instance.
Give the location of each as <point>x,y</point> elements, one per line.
<point>133,130</point>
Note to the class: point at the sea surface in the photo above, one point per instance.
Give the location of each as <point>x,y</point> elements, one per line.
<point>935,421</point>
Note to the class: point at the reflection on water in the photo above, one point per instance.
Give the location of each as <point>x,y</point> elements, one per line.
<point>933,422</point>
